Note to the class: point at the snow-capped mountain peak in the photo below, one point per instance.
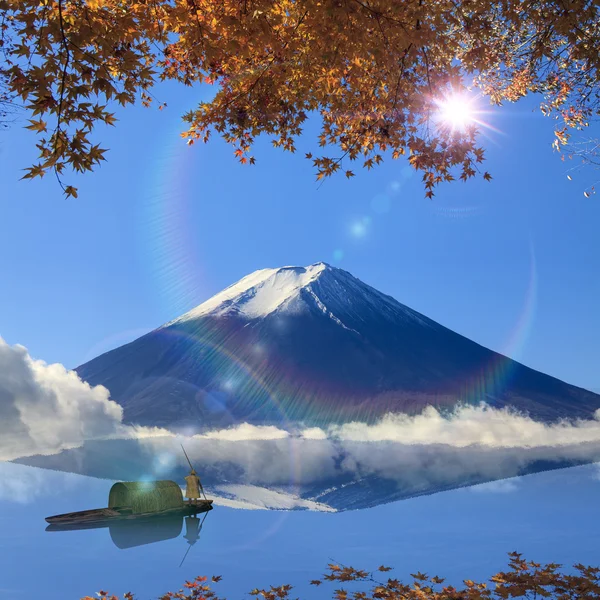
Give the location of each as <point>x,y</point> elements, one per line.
<point>263,292</point>
<point>293,290</point>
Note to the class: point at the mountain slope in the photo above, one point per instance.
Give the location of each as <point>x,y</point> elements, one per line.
<point>318,345</point>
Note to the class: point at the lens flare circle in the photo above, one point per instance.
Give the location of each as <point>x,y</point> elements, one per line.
<point>360,228</point>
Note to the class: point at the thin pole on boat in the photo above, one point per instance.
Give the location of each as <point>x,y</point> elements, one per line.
<point>192,468</point>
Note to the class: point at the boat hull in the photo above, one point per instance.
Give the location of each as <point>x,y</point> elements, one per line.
<point>102,517</point>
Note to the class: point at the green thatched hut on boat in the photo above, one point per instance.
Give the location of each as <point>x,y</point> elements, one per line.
<point>129,500</point>
<point>145,496</point>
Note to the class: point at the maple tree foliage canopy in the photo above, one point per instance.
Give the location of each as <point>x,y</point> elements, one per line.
<point>373,69</point>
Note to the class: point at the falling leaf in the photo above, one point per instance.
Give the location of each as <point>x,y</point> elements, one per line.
<point>70,191</point>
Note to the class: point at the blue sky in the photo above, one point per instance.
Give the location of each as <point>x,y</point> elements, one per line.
<point>512,264</point>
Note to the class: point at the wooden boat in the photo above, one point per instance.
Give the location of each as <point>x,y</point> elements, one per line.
<point>133,500</point>
<point>101,517</point>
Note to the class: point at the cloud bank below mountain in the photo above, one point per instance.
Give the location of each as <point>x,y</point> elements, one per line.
<point>47,410</point>
<point>465,426</point>
<point>473,444</point>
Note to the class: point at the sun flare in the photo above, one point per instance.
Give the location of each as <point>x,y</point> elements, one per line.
<point>456,111</point>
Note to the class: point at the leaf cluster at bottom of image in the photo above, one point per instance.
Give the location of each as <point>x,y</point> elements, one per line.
<point>523,579</point>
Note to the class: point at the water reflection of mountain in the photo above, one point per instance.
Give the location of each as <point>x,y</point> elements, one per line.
<point>313,474</point>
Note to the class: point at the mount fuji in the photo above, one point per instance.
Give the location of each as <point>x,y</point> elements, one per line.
<point>314,345</point>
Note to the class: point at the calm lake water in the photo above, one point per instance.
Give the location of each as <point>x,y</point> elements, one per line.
<point>551,516</point>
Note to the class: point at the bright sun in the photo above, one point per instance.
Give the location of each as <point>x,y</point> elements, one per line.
<point>456,111</point>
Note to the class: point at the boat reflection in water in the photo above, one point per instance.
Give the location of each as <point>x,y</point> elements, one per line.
<point>128,534</point>
<point>139,532</point>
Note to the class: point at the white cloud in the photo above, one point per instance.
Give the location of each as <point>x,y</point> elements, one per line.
<point>313,433</point>
<point>245,432</point>
<point>138,432</point>
<point>502,486</point>
<point>469,425</point>
<point>24,485</point>
<point>45,408</point>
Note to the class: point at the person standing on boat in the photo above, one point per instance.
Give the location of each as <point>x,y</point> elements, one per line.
<point>192,491</point>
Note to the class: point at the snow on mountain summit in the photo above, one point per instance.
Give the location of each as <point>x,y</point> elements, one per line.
<point>291,290</point>
<point>258,294</point>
